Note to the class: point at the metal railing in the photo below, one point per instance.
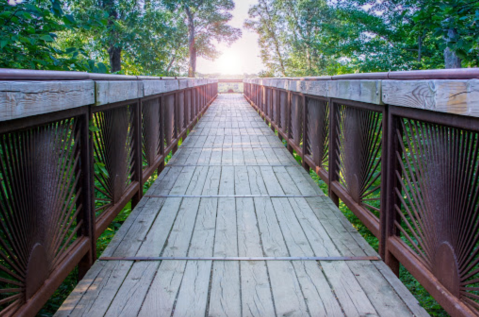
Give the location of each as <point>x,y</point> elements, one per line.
<point>401,151</point>
<point>75,148</point>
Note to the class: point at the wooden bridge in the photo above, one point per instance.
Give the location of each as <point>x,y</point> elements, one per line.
<point>234,225</point>
<point>233,190</point>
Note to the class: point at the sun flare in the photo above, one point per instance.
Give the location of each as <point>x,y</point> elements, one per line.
<point>230,64</point>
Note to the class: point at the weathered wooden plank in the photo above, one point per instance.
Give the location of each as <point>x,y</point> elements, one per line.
<point>303,181</point>
<point>316,87</point>
<point>198,180</point>
<point>401,290</point>
<point>225,297</point>
<point>102,290</point>
<point>381,294</point>
<point>287,293</point>
<point>256,296</point>
<point>153,241</point>
<point>114,91</point>
<point>227,156</point>
<point>161,296</point>
<point>31,98</point>
<point>358,90</point>
<point>153,87</point>
<point>212,182</point>
<point>193,294</point>
<point>135,222</point>
<point>132,291</point>
<point>269,178</point>
<point>227,184</point>
<point>285,181</point>
<point>451,96</point>
<point>318,238</point>
<point>256,181</point>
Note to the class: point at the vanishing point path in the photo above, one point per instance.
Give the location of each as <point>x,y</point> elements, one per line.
<point>233,190</point>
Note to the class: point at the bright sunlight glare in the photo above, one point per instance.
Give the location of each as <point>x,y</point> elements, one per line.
<point>229,63</point>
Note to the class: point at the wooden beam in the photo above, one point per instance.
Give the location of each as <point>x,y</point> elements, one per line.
<point>451,96</point>
<point>19,99</point>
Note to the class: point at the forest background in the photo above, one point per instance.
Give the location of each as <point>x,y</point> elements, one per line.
<point>296,37</point>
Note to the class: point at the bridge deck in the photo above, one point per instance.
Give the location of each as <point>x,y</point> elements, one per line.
<point>232,152</point>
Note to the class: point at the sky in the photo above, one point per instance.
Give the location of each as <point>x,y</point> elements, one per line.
<point>243,55</point>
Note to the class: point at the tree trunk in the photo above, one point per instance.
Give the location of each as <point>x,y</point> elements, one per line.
<point>451,60</point>
<point>170,64</point>
<point>115,58</point>
<point>419,48</point>
<point>191,43</point>
<point>272,35</point>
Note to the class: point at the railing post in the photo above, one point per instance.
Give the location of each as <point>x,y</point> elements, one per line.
<point>175,121</point>
<point>87,184</point>
<point>389,213</point>
<point>138,153</point>
<point>333,134</point>
<point>384,183</point>
<point>288,122</point>
<point>305,135</point>
<point>162,135</point>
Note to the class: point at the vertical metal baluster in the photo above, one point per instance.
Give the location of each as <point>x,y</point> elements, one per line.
<point>87,184</point>
<point>384,183</point>
<point>389,213</point>
<point>288,122</point>
<point>162,134</point>
<point>138,153</point>
<point>305,134</point>
<point>333,167</point>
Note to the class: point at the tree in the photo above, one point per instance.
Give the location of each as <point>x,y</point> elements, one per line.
<point>269,25</point>
<point>207,22</point>
<point>28,35</point>
<point>316,37</point>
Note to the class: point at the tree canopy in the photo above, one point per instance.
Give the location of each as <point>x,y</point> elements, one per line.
<point>149,37</point>
<point>296,37</point>
<point>319,37</point>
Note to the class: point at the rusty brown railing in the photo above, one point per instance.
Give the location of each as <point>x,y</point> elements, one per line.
<point>401,150</point>
<point>75,148</point>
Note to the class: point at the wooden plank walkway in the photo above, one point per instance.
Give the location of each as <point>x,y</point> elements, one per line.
<point>232,152</point>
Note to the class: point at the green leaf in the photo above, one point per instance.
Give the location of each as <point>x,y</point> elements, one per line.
<point>47,38</point>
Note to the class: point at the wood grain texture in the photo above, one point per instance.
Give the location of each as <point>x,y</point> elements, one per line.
<point>450,96</point>
<point>316,88</point>
<point>368,91</point>
<point>30,98</point>
<point>114,91</point>
<point>153,87</point>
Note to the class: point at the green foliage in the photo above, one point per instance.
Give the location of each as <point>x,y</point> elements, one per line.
<point>137,38</point>
<point>319,37</point>
<point>28,37</point>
